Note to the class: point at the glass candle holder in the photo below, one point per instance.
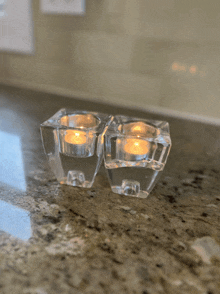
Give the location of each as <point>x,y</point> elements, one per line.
<point>135,153</point>
<point>73,142</point>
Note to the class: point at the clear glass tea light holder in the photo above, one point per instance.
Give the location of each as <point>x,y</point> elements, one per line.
<point>135,153</point>
<point>73,142</point>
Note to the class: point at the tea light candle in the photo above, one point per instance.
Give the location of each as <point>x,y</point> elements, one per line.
<point>79,140</point>
<point>77,143</point>
<point>75,137</point>
<point>136,146</point>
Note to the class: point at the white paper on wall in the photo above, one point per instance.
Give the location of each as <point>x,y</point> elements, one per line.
<point>63,6</point>
<point>16,26</point>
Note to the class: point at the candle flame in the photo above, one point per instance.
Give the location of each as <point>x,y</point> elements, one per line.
<point>136,146</point>
<point>75,137</point>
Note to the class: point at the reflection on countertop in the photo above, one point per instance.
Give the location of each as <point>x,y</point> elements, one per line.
<point>15,221</point>
<point>11,161</point>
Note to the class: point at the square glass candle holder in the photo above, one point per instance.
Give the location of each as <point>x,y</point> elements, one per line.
<point>73,142</point>
<point>135,153</point>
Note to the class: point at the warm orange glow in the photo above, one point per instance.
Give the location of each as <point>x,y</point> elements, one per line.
<point>193,69</point>
<point>178,67</point>
<point>136,146</point>
<point>79,121</point>
<point>75,137</point>
<point>137,129</point>
<point>64,121</point>
<point>175,66</point>
<point>84,120</point>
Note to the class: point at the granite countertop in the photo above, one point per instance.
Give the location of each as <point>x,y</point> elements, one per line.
<point>61,239</point>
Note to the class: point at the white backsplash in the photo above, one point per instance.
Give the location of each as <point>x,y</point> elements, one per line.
<point>137,53</point>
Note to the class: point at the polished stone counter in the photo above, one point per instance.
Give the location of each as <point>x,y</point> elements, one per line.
<point>60,239</point>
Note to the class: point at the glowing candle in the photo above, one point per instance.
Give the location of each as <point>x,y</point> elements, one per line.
<point>136,146</point>
<point>79,140</point>
<point>75,137</point>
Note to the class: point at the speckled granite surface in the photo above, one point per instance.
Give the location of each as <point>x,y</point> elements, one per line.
<point>74,240</point>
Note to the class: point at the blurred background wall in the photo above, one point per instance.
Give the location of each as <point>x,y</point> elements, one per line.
<point>142,53</point>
